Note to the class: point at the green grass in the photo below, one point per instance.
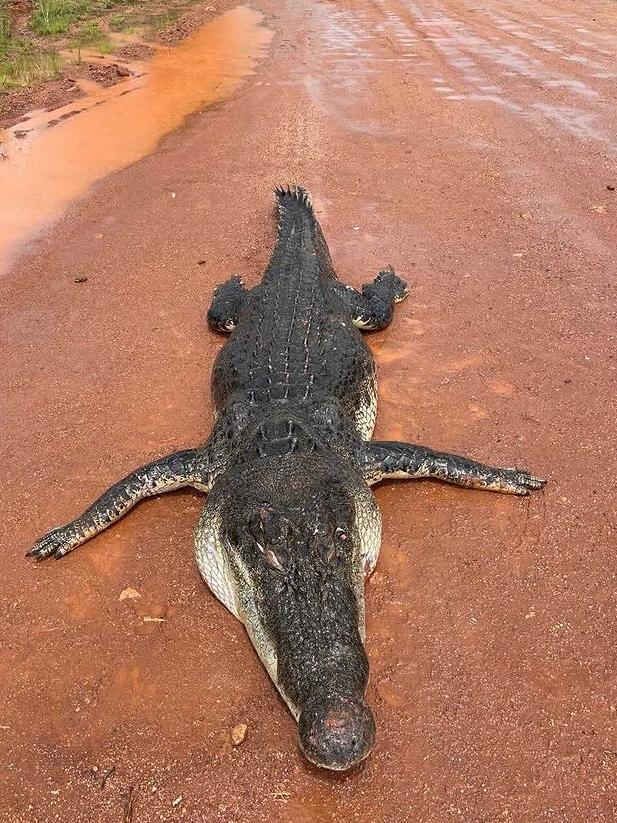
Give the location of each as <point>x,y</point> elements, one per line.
<point>25,61</point>
<point>22,64</point>
<point>119,22</point>
<point>90,34</point>
<point>159,22</point>
<point>52,17</point>
<point>5,28</point>
<point>101,6</point>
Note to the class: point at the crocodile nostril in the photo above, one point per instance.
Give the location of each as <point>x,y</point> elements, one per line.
<point>337,734</point>
<point>337,719</point>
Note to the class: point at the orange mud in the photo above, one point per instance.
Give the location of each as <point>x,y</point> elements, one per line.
<point>59,159</point>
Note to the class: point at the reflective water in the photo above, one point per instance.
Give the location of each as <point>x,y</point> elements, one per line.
<point>52,158</point>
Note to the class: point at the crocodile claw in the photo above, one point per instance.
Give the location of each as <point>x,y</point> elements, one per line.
<point>518,481</point>
<point>57,542</point>
<point>400,289</point>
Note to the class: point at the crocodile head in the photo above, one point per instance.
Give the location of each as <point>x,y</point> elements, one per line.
<point>295,533</point>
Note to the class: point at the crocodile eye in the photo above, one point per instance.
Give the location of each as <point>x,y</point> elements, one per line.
<point>272,560</point>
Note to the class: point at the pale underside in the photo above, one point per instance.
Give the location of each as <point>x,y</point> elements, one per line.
<point>222,570</point>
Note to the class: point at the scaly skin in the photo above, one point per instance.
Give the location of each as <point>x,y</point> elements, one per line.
<point>291,528</point>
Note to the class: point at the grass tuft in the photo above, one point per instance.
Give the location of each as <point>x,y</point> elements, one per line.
<point>90,34</point>
<point>24,64</point>
<point>33,57</point>
<point>125,21</point>
<point>52,17</point>
<point>5,28</point>
<point>158,22</point>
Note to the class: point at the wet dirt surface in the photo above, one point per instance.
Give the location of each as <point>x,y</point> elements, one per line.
<point>473,148</point>
<point>140,33</point>
<point>54,157</point>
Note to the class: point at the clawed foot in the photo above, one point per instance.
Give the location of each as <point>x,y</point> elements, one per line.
<point>517,481</point>
<point>224,312</point>
<point>399,287</point>
<point>57,542</point>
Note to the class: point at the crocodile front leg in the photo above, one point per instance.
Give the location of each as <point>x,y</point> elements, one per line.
<point>373,309</point>
<point>224,311</point>
<point>191,467</point>
<point>383,460</point>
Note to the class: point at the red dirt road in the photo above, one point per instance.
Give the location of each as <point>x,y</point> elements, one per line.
<point>472,146</point>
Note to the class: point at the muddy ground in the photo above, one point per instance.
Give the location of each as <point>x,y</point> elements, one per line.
<point>473,147</point>
<point>128,47</point>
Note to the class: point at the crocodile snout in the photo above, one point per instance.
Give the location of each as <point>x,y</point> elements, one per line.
<point>338,733</point>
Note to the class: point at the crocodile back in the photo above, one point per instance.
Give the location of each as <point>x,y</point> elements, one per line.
<point>295,342</point>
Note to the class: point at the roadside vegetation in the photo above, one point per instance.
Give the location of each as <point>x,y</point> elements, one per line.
<point>38,39</point>
<point>51,17</point>
<point>22,61</point>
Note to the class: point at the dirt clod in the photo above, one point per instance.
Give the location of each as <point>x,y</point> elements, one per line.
<point>238,734</point>
<point>135,51</point>
<point>129,594</point>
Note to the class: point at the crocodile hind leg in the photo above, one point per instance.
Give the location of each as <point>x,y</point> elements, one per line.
<point>373,309</point>
<point>224,311</point>
<point>407,460</point>
<point>184,468</point>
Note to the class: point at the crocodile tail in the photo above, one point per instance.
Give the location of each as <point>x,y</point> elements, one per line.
<point>292,200</point>
<point>299,225</point>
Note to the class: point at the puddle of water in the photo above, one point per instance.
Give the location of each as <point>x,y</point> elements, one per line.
<point>57,160</point>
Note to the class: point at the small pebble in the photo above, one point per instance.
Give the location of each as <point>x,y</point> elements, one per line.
<point>80,279</point>
<point>238,734</point>
<point>129,593</point>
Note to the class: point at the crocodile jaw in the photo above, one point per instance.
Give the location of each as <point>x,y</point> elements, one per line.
<point>212,561</point>
<point>307,625</point>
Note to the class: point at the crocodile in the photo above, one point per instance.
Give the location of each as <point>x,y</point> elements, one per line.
<point>291,529</point>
